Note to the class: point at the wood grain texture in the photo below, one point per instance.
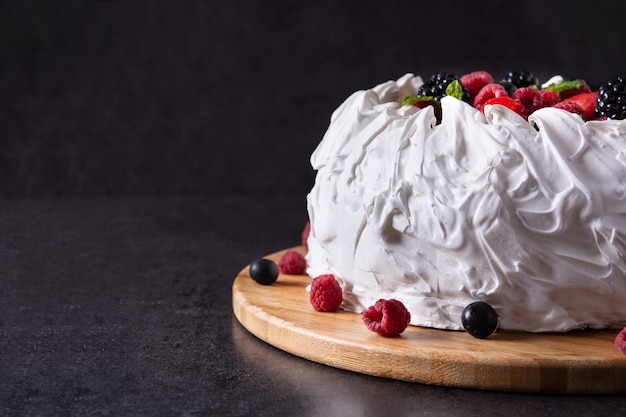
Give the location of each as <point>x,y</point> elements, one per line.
<point>580,362</point>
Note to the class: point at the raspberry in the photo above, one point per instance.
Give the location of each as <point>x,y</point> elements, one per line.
<point>570,106</point>
<point>487,93</point>
<point>475,81</point>
<point>529,98</point>
<point>549,98</point>
<point>388,318</point>
<point>305,235</point>
<point>326,294</point>
<point>506,102</point>
<point>292,262</point>
<point>620,341</point>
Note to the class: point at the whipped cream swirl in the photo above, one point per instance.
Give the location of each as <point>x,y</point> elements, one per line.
<point>529,216</point>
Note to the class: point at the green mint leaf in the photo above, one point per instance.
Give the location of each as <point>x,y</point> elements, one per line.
<point>412,100</point>
<point>566,85</point>
<point>455,89</point>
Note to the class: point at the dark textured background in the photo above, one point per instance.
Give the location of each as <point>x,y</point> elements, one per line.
<point>149,150</point>
<point>194,96</point>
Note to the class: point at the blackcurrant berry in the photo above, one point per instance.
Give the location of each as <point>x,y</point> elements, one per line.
<point>264,271</point>
<point>479,319</point>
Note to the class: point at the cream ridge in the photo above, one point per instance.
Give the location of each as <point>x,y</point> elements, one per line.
<point>529,216</point>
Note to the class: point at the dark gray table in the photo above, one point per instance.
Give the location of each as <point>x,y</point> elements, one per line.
<point>122,306</point>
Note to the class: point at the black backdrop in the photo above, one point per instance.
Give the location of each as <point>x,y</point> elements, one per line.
<point>200,96</point>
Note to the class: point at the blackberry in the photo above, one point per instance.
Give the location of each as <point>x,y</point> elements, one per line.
<point>611,99</point>
<point>521,78</point>
<point>437,84</point>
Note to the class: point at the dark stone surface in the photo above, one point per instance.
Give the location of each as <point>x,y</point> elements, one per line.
<point>149,150</point>
<point>122,306</point>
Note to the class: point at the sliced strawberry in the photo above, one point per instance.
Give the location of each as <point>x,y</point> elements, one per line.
<point>508,102</point>
<point>587,101</point>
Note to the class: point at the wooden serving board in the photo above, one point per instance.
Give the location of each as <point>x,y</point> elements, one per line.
<point>580,362</point>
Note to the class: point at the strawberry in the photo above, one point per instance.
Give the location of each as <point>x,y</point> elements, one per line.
<point>569,88</point>
<point>588,103</point>
<point>570,106</point>
<point>508,102</point>
<point>475,81</point>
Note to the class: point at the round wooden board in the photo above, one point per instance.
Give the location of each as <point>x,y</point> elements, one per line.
<point>580,362</point>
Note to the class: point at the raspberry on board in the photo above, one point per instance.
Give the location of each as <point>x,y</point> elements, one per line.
<point>620,341</point>
<point>326,294</point>
<point>388,318</point>
<point>292,262</point>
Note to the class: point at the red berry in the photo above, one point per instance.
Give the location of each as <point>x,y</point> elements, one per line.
<point>620,341</point>
<point>326,294</point>
<point>574,91</point>
<point>570,106</point>
<point>487,93</point>
<point>475,81</point>
<point>292,262</point>
<point>305,235</point>
<point>506,102</point>
<point>388,318</point>
<point>529,98</point>
<point>588,103</point>
<point>549,98</point>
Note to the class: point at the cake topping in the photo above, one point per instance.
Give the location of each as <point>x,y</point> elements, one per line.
<point>388,318</point>
<point>326,294</point>
<point>611,99</point>
<point>478,87</point>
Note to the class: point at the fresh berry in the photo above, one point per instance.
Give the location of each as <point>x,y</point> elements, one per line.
<point>529,98</point>
<point>264,271</point>
<point>521,78</point>
<point>620,341</point>
<point>568,88</point>
<point>487,93</point>
<point>611,100</point>
<point>588,103</point>
<point>479,319</point>
<point>549,98</point>
<point>436,86</point>
<point>305,235</point>
<point>570,106</point>
<point>292,262</point>
<point>388,318</point>
<point>475,81</point>
<point>326,294</point>
<point>508,87</point>
<point>508,102</point>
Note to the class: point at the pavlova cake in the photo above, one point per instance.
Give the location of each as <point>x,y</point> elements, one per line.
<point>456,190</point>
